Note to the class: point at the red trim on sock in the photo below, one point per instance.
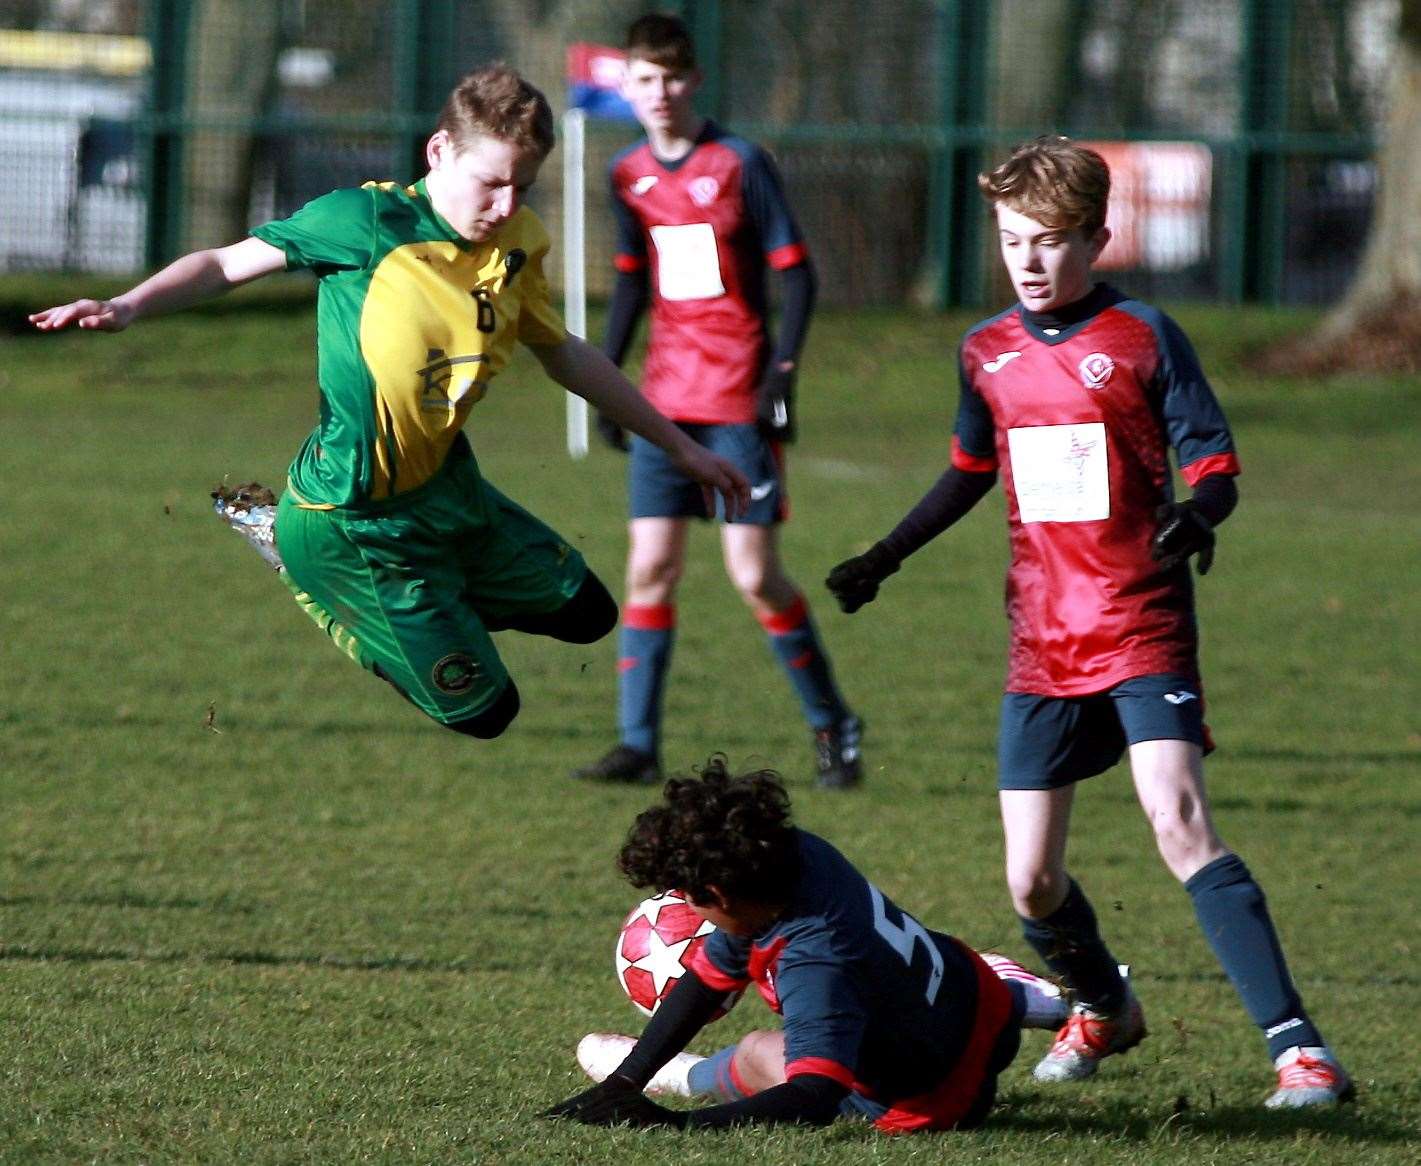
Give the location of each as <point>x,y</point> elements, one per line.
<point>738,1081</point>
<point>803,660</point>
<point>627,663</point>
<point>779,623</point>
<point>649,617</point>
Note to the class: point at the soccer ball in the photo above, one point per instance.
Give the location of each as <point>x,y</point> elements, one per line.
<point>655,947</point>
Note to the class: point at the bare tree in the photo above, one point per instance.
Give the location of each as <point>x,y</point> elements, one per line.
<point>232,77</point>
<point>1377,324</point>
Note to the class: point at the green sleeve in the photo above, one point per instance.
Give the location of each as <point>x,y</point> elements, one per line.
<point>332,233</point>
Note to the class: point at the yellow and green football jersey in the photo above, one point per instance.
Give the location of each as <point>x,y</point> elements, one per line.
<point>413,321</point>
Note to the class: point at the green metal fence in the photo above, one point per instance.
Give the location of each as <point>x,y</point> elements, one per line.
<point>130,131</point>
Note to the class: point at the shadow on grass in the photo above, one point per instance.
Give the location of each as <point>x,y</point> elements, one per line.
<point>375,963</point>
<point>1131,1122</point>
<point>1410,757</point>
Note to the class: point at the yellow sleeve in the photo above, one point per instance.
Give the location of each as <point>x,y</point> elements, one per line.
<point>539,323</point>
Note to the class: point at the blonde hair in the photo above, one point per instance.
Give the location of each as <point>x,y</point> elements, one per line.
<point>496,102</point>
<point>1053,180</point>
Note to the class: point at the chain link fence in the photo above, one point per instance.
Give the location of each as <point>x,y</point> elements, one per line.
<point>1240,131</point>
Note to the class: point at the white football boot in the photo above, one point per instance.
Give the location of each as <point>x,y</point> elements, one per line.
<point>601,1053</point>
<point>1310,1076</point>
<point>1046,1004</point>
<point>1088,1037</point>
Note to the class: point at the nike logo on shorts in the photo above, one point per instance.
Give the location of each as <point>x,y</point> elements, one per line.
<point>1180,697</point>
<point>761,492</point>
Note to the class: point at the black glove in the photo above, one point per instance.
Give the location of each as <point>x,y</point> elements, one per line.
<point>1182,532</point>
<point>616,1102</point>
<point>775,408</point>
<point>612,433</point>
<point>855,581</point>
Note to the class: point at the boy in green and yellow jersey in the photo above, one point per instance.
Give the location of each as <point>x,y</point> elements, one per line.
<point>391,538</point>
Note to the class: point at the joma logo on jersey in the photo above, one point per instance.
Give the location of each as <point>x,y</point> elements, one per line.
<point>1096,369</point>
<point>513,263</point>
<point>441,389</point>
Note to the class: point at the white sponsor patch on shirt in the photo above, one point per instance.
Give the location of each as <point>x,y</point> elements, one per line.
<point>687,262</point>
<point>1060,472</point>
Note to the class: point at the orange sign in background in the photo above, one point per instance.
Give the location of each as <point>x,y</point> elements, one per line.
<point>1159,205</point>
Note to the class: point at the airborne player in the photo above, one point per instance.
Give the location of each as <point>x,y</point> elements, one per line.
<point>1077,394</point>
<point>700,216</point>
<point>392,539</point>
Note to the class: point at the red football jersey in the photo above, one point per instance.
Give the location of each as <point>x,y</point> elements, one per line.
<point>1079,415</point>
<point>706,226</point>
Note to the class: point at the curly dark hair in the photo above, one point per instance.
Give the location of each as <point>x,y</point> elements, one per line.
<point>716,829</point>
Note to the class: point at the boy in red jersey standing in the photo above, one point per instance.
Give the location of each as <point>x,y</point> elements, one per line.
<point>1076,394</point>
<point>700,215</point>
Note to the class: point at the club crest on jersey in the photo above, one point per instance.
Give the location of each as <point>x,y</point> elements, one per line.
<point>704,190</point>
<point>513,263</point>
<point>644,183</point>
<point>455,673</point>
<point>1096,370</point>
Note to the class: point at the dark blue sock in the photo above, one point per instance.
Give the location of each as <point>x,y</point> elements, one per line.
<point>1233,914</point>
<point>648,633</point>
<point>715,1077</point>
<point>1069,941</point>
<point>796,644</point>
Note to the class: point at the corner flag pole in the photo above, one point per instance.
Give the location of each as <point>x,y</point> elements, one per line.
<point>574,259</point>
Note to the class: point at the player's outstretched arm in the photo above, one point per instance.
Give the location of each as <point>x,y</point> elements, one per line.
<point>618,1100</point>
<point>189,280</point>
<point>855,581</point>
<point>582,369</point>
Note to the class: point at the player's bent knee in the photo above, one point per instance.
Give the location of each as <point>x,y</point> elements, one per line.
<point>1036,893</point>
<point>493,720</point>
<point>584,619</point>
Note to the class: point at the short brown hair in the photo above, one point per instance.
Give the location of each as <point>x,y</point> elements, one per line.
<point>1053,180</point>
<point>497,102</point>
<point>662,40</point>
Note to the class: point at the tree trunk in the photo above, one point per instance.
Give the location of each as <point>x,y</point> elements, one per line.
<point>232,77</point>
<point>1389,277</point>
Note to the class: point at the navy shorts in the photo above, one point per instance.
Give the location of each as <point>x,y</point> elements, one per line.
<point>660,490</point>
<point>1047,742</point>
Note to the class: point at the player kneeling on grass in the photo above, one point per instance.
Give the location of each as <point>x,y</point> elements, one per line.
<point>392,540</point>
<point>883,1018</point>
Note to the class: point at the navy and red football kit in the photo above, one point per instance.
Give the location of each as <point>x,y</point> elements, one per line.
<point>910,1019</point>
<point>695,237</point>
<point>1078,410</point>
<point>1079,415</point>
<point>705,227</point>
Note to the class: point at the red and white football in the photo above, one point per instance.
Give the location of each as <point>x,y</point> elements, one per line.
<point>655,947</point>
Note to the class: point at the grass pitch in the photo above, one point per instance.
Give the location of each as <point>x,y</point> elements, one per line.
<point>255,909</point>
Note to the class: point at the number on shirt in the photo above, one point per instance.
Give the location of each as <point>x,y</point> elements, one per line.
<point>901,937</point>
<point>487,321</point>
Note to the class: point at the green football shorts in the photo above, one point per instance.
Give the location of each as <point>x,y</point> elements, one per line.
<point>411,587</point>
